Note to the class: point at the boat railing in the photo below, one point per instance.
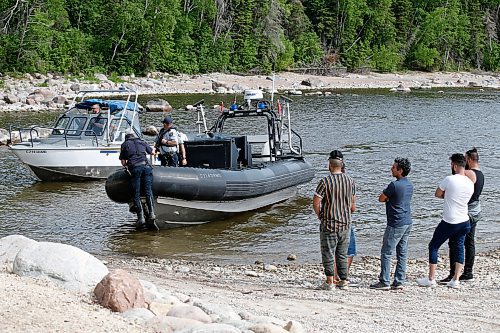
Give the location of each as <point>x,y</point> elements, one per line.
<point>201,119</point>
<point>132,97</point>
<point>34,134</point>
<point>286,125</point>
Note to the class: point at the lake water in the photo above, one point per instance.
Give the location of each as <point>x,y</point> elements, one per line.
<point>370,127</point>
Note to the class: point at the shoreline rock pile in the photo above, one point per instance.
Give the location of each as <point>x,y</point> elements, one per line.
<point>138,301</point>
<point>35,92</point>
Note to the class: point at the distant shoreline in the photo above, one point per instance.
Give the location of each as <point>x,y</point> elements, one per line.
<point>49,92</point>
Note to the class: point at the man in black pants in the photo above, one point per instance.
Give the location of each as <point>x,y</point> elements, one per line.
<point>474,207</point>
<point>133,156</point>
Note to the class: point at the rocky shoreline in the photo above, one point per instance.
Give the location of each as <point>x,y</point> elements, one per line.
<point>34,92</point>
<point>263,297</point>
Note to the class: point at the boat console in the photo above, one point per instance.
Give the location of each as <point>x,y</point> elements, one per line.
<point>221,151</point>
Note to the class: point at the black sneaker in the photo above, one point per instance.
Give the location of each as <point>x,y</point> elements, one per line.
<point>398,286</point>
<point>446,280</point>
<point>380,286</point>
<point>466,278</point>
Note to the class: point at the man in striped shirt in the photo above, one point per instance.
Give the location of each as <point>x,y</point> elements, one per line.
<point>334,201</point>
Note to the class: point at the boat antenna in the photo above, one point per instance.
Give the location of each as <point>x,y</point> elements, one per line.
<point>272,90</point>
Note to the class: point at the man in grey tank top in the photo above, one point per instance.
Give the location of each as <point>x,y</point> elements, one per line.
<point>474,206</point>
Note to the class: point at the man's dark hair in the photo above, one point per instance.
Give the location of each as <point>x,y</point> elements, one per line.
<point>403,164</point>
<point>336,163</point>
<point>458,159</point>
<point>472,154</point>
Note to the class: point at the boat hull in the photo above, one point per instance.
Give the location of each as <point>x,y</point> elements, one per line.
<point>69,163</point>
<point>187,196</point>
<point>173,213</point>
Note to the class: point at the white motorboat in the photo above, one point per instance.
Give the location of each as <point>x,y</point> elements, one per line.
<point>82,145</point>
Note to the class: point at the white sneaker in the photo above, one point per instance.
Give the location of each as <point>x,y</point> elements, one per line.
<point>454,284</point>
<point>425,282</point>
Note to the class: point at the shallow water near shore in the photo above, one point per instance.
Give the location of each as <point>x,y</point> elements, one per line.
<point>370,127</point>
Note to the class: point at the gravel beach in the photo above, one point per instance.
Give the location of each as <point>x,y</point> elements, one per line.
<point>283,291</point>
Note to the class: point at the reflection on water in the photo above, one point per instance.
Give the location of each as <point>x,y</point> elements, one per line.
<point>372,128</point>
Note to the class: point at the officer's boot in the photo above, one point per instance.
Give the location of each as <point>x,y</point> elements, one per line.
<point>141,222</point>
<point>152,216</point>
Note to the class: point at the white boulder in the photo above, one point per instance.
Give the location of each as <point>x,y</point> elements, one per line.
<point>66,265</point>
<point>9,247</point>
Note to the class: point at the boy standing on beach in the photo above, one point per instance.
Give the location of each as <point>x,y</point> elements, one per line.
<point>397,197</point>
<point>334,201</point>
<point>456,190</point>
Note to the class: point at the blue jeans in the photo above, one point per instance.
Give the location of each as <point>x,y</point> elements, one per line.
<point>456,234</point>
<point>351,250</point>
<point>142,176</point>
<point>334,244</point>
<point>394,237</point>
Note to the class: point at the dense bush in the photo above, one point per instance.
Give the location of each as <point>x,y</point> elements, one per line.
<point>199,36</point>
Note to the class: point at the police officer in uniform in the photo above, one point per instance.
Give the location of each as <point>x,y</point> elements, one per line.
<point>133,156</point>
<point>169,144</point>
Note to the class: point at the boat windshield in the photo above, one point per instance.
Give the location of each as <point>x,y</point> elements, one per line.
<point>76,126</point>
<point>60,125</point>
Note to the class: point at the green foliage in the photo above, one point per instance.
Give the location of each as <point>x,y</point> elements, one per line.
<point>425,58</point>
<point>307,49</point>
<point>492,57</point>
<point>386,59</point>
<point>200,36</point>
<point>114,77</point>
<point>285,59</point>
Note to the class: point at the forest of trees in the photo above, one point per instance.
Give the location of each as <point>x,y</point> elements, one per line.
<point>200,36</point>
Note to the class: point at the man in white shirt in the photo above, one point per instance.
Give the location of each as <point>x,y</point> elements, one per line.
<point>456,190</point>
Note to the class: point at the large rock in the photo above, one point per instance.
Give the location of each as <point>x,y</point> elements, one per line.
<point>162,305</point>
<point>190,312</point>
<point>138,315</point>
<point>171,324</point>
<point>150,130</point>
<point>158,105</point>
<point>120,291</point>
<point>11,98</point>
<point>219,84</point>
<point>75,87</point>
<point>223,312</point>
<point>211,328</point>
<point>313,83</point>
<point>59,99</point>
<point>10,247</point>
<point>294,327</point>
<point>66,265</point>
<point>267,328</point>
<point>101,77</point>
<point>45,92</point>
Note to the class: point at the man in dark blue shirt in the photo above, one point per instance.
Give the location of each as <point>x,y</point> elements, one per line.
<point>397,198</point>
<point>133,156</point>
